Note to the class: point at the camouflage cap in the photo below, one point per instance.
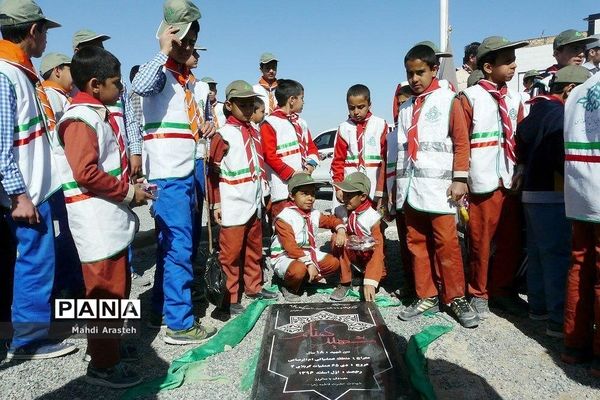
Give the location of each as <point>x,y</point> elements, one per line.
<point>497,43</point>
<point>15,12</point>
<point>180,14</point>
<point>208,79</point>
<point>355,182</point>
<point>532,73</point>
<point>433,47</point>
<point>239,89</point>
<point>53,60</point>
<point>595,44</point>
<point>571,74</point>
<point>86,35</point>
<point>570,36</point>
<point>300,179</point>
<point>267,58</point>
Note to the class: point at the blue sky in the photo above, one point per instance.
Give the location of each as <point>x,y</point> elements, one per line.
<point>327,45</point>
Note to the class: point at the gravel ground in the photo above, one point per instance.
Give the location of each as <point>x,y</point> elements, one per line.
<point>504,358</point>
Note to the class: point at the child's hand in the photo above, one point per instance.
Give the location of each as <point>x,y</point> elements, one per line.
<point>369,292</point>
<point>217,215</point>
<point>166,39</point>
<point>457,190</point>
<point>309,169</point>
<point>140,196</point>
<point>23,210</point>
<point>339,195</point>
<point>208,129</point>
<point>340,238</point>
<point>135,165</point>
<point>313,272</point>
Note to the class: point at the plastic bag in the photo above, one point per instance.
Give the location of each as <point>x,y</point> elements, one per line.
<point>215,280</point>
<point>360,243</point>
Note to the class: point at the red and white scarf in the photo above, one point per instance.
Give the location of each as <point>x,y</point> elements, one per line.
<point>413,131</point>
<point>354,227</point>
<point>360,139</point>
<point>250,135</point>
<point>311,235</point>
<point>302,143</point>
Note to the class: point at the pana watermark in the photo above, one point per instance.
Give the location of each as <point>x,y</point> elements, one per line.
<point>97,309</point>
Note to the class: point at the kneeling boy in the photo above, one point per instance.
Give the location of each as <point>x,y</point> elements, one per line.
<point>363,223</point>
<point>294,253</point>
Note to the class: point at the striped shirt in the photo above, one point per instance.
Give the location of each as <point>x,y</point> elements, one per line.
<point>12,180</point>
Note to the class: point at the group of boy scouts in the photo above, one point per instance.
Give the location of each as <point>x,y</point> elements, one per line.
<point>77,152</point>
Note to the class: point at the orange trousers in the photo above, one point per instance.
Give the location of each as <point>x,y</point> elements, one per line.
<point>582,304</point>
<point>442,228</point>
<point>494,217</point>
<point>106,279</point>
<point>297,272</point>
<point>240,254</point>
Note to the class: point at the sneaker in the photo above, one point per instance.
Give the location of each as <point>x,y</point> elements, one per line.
<point>340,292</point>
<point>156,321</point>
<point>480,305</point>
<point>464,313</point>
<point>536,316</point>
<point>418,307</point>
<point>236,309</point>
<point>129,353</point>
<point>290,296</point>
<point>39,351</point>
<point>117,377</point>
<point>140,280</point>
<point>555,330</point>
<point>195,335</point>
<point>263,294</point>
<point>512,305</point>
<point>571,355</point>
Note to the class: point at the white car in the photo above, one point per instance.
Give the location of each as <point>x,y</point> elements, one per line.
<point>322,174</point>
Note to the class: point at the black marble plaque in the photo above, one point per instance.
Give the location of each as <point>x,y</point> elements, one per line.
<point>328,351</point>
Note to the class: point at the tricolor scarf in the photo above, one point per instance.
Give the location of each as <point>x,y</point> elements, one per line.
<point>360,139</point>
<point>250,135</point>
<point>302,143</point>
<point>53,85</point>
<point>270,88</point>
<point>84,99</point>
<point>413,131</point>
<point>185,78</point>
<point>14,55</point>
<point>499,94</point>
<point>354,227</point>
<point>311,234</point>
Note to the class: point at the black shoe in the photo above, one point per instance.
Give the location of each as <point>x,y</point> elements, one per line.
<point>117,377</point>
<point>236,309</point>
<point>39,351</point>
<point>512,305</point>
<point>418,307</point>
<point>289,295</point>
<point>464,313</point>
<point>263,294</point>
<point>480,305</point>
<point>340,292</point>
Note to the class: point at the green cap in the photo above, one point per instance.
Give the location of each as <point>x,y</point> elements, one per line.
<point>267,57</point>
<point>433,47</point>
<point>53,60</point>
<point>208,79</point>
<point>180,14</point>
<point>14,12</point>
<point>571,74</point>
<point>355,182</point>
<point>532,73</point>
<point>595,44</point>
<point>496,43</point>
<point>474,77</point>
<point>239,89</point>
<point>570,36</point>
<point>86,35</point>
<point>300,179</point>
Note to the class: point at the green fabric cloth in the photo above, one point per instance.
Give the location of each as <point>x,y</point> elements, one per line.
<point>249,371</point>
<point>229,336</point>
<point>416,361</point>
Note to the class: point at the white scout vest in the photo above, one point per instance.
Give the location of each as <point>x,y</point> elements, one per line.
<point>391,163</point>
<point>288,149</point>
<point>118,111</point>
<point>58,102</point>
<point>241,191</point>
<point>423,183</point>
<point>366,219</point>
<point>200,91</point>
<point>264,96</point>
<point>371,149</point>
<point>296,221</point>
<point>32,141</point>
<point>100,227</point>
<point>582,152</point>
<point>168,139</point>
<point>218,115</point>
<point>488,163</point>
